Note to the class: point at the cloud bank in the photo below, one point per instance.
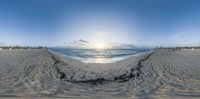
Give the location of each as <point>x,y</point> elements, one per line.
<point>84,44</point>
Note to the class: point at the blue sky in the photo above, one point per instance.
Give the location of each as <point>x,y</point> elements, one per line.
<point>138,22</point>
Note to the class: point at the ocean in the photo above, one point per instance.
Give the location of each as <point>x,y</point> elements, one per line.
<point>99,56</point>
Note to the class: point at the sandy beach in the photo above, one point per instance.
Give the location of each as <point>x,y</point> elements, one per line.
<point>41,74</point>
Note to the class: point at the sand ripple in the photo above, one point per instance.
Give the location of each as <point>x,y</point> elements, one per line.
<point>161,74</point>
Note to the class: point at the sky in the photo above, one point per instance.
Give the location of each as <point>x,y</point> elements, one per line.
<point>137,22</point>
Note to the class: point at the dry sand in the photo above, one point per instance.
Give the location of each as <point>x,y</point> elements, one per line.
<point>40,74</point>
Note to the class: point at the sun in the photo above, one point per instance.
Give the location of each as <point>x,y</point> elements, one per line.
<point>99,45</point>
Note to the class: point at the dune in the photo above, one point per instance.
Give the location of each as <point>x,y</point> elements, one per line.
<point>40,73</point>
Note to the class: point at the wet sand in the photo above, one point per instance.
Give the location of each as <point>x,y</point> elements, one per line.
<point>41,74</point>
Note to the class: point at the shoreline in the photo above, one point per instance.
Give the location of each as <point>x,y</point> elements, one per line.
<point>120,78</point>
<point>102,60</point>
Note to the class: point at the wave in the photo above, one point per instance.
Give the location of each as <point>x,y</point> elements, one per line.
<point>85,55</point>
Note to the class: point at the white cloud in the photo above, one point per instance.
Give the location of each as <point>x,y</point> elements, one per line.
<point>184,39</point>
<point>177,37</point>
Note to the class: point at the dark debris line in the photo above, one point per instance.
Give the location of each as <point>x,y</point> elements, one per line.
<point>127,77</point>
<point>61,74</point>
<point>121,78</point>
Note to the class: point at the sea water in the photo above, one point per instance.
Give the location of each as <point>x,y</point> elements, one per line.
<point>99,55</point>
